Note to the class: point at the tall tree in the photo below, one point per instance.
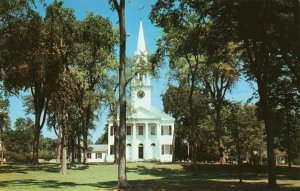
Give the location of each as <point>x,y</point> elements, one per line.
<point>175,103</point>
<point>193,36</point>
<point>28,64</point>
<point>119,6</point>
<point>61,26</point>
<point>219,78</point>
<point>186,56</point>
<point>262,57</point>
<point>96,45</point>
<point>246,132</point>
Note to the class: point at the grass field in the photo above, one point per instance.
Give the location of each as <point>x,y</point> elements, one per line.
<point>144,176</point>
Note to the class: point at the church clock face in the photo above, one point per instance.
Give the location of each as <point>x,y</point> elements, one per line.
<point>141,94</point>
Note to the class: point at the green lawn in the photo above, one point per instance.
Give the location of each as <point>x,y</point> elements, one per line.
<point>144,176</point>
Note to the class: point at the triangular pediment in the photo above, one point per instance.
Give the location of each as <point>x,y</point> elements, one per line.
<point>149,113</point>
<point>143,113</point>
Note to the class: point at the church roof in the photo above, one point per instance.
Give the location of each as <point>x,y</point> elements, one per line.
<point>97,148</point>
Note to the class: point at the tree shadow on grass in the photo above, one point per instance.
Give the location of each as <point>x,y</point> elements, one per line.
<point>54,184</point>
<point>79,167</point>
<point>249,172</point>
<point>153,185</point>
<point>193,185</point>
<point>157,171</point>
<point>211,177</point>
<point>24,168</point>
<point>40,183</point>
<point>208,178</point>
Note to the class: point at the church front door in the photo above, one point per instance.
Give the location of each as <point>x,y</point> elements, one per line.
<point>141,151</point>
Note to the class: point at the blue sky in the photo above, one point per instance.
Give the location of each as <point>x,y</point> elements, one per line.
<point>135,10</point>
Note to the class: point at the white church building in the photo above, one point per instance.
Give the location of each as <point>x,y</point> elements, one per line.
<point>149,131</point>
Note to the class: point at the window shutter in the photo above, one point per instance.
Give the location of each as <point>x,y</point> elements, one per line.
<point>111,130</point>
<point>112,150</point>
<point>128,130</point>
<point>162,130</point>
<point>170,130</point>
<point>162,150</point>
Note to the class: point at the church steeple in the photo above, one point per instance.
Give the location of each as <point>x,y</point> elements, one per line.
<point>141,85</point>
<point>141,47</point>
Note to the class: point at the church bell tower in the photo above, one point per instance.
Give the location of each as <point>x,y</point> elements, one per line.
<point>141,84</point>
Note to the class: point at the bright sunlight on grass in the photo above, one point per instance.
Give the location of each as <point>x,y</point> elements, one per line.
<point>144,176</point>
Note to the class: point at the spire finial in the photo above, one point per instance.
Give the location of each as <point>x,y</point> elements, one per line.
<point>141,47</point>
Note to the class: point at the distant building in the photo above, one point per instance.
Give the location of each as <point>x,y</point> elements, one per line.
<point>149,131</point>
<point>96,153</point>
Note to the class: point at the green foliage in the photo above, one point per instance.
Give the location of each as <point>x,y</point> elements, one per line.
<point>18,141</point>
<point>176,104</point>
<point>83,50</point>
<point>202,55</point>
<point>245,133</point>
<point>48,149</point>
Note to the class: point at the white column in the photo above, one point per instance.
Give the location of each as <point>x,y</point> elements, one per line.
<point>133,131</point>
<point>133,144</point>
<point>158,130</point>
<point>146,131</point>
<point>158,145</point>
<point>146,141</point>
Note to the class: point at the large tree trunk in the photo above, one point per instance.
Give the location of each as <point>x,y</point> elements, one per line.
<point>194,149</point>
<point>222,159</point>
<point>288,138</point>
<point>267,117</point>
<point>58,157</point>
<point>259,60</point>
<point>222,156</point>
<point>36,140</point>
<point>40,109</point>
<point>116,141</point>
<point>73,150</point>
<point>270,149</point>
<point>289,153</point>
<point>239,158</point>
<point>78,149</point>
<point>63,164</point>
<point>84,148</point>
<point>122,177</point>
<point>85,133</point>
<point>174,146</point>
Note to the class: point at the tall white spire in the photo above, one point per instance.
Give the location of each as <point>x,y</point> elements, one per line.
<point>141,47</point>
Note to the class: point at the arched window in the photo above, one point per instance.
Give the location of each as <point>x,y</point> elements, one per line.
<point>128,144</point>
<point>153,144</point>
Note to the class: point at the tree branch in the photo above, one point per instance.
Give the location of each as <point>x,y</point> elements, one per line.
<point>116,5</point>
